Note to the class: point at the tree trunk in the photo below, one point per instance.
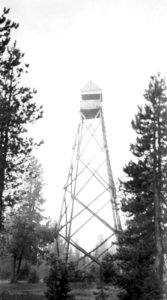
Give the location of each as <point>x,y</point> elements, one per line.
<point>13,280</point>
<point>158,239</point>
<point>3,155</point>
<point>19,266</point>
<point>157,206</point>
<point>1,193</point>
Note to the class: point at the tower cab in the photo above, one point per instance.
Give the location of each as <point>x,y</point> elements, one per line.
<point>91,98</point>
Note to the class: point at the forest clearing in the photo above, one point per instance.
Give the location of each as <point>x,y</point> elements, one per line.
<point>105,238</point>
<point>26,291</point>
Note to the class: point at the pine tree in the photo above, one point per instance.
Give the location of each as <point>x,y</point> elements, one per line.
<point>58,280</point>
<point>28,238</point>
<point>17,110</point>
<point>141,253</point>
<point>6,26</point>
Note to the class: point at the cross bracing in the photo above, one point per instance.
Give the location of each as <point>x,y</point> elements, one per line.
<point>89,205</point>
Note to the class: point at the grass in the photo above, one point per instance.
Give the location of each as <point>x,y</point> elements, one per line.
<point>27,291</point>
<point>22,288</point>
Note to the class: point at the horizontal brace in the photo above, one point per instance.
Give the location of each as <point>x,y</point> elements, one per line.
<point>97,247</point>
<point>90,263</point>
<point>80,249</point>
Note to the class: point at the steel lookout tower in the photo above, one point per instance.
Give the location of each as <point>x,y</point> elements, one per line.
<point>89,218</point>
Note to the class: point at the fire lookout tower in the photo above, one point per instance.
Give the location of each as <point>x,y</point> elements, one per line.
<point>89,207</point>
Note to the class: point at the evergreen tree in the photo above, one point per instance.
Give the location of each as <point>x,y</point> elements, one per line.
<point>141,254</point>
<point>109,268</point>
<point>28,238</point>
<point>17,110</point>
<point>6,26</point>
<point>58,280</point>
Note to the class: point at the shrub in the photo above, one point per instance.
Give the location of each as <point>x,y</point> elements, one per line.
<point>24,272</point>
<point>57,281</point>
<point>33,276</point>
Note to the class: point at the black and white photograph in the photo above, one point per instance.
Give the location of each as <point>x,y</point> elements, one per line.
<point>83,150</point>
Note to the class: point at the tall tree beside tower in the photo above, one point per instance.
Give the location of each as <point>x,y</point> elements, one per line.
<point>141,251</point>
<point>17,110</point>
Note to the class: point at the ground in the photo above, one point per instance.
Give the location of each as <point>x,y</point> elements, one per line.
<point>26,291</point>
<point>21,291</point>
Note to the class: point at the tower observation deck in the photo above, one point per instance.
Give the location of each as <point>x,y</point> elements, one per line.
<point>91,100</point>
<point>89,218</point>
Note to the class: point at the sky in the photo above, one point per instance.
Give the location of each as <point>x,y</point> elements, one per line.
<point>118,44</point>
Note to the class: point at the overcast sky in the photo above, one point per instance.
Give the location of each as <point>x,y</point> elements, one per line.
<point>118,44</point>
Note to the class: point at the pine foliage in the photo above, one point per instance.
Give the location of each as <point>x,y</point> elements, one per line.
<point>28,239</point>
<point>58,280</point>
<point>140,253</point>
<point>17,110</point>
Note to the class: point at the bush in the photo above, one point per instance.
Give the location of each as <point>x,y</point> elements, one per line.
<point>24,272</point>
<point>33,276</point>
<point>57,281</point>
<point>5,267</point>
